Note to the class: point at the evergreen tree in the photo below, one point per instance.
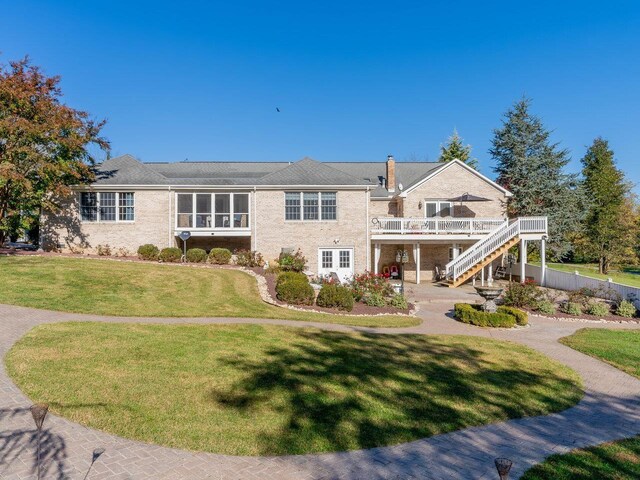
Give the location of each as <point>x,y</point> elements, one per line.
<point>532,168</point>
<point>455,148</point>
<point>610,232</point>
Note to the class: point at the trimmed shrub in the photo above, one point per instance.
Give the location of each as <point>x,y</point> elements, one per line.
<point>572,308</point>
<point>598,309</point>
<point>148,252</point>
<point>295,292</point>
<point>374,299</point>
<point>291,277</point>
<point>626,309</point>
<point>249,258</point>
<point>220,256</point>
<point>522,317</point>
<point>473,315</point>
<point>335,296</point>
<point>170,254</point>
<point>546,306</point>
<point>196,255</point>
<point>522,295</point>
<point>399,301</point>
<point>292,262</point>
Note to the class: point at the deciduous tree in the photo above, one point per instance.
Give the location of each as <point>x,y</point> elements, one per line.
<point>44,144</point>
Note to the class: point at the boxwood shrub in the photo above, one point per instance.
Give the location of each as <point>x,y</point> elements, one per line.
<point>335,296</point>
<point>294,289</point>
<point>196,255</point>
<point>522,317</point>
<point>473,315</point>
<point>148,252</point>
<point>220,256</point>
<point>170,254</point>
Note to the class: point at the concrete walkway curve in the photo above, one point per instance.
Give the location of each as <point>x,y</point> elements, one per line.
<point>609,411</point>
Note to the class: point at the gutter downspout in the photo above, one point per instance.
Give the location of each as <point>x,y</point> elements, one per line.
<point>367,197</point>
<point>255,221</point>
<point>169,224</point>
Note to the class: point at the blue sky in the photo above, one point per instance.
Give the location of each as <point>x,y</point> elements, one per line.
<point>353,80</point>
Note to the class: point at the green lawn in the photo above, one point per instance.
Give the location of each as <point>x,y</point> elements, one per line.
<point>150,290</point>
<point>625,275</point>
<point>260,389</point>
<point>620,348</point>
<point>610,461</point>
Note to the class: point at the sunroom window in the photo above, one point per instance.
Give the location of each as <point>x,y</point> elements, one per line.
<point>212,210</point>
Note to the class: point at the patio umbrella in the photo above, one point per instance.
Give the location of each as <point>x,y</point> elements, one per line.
<point>467,197</point>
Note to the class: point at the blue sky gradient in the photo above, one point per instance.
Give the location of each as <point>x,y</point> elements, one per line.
<point>353,80</point>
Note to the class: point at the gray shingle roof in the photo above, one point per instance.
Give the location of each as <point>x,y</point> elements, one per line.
<point>127,170</point>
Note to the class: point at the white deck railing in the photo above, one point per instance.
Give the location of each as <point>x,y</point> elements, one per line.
<point>501,235</point>
<point>405,225</point>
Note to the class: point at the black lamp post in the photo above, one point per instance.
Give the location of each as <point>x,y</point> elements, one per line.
<point>402,257</point>
<point>503,465</point>
<point>39,413</point>
<point>96,454</point>
<point>511,259</point>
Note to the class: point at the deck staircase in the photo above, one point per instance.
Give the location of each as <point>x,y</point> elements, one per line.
<point>498,242</point>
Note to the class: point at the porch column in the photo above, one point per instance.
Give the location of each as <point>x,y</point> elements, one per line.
<point>543,261</point>
<point>523,259</point>
<point>376,257</point>
<point>416,257</point>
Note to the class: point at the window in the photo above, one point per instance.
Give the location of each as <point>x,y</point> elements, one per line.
<point>327,259</point>
<point>454,252</point>
<point>292,206</point>
<point>310,206</point>
<point>212,210</point>
<point>345,258</point>
<point>107,207</point>
<point>438,209</point>
<point>89,206</point>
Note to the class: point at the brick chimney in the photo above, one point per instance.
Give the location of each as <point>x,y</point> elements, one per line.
<point>391,174</point>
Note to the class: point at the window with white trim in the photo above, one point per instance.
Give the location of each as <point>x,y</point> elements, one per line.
<point>436,208</point>
<point>454,252</point>
<point>212,210</point>
<point>310,206</point>
<point>107,206</point>
<point>345,258</point>
<point>327,259</point>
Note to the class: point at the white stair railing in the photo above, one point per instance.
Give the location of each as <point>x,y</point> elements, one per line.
<point>496,239</point>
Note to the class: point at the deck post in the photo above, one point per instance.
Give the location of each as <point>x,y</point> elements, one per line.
<point>523,259</point>
<point>543,261</point>
<point>376,257</point>
<point>416,257</point>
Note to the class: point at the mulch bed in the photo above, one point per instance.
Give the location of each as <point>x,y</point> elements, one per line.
<point>358,307</point>
<point>585,316</point>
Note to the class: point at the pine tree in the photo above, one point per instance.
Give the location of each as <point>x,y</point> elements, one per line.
<point>532,168</point>
<point>610,230</point>
<point>456,149</point>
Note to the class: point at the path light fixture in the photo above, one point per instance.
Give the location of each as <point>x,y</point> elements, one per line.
<point>402,257</point>
<point>96,454</point>
<point>503,465</point>
<point>39,413</point>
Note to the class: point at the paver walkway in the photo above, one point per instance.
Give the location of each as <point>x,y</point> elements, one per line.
<point>610,410</point>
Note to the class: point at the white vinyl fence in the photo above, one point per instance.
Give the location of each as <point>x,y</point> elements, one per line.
<point>574,281</point>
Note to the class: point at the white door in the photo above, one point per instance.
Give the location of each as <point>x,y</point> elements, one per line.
<point>338,260</point>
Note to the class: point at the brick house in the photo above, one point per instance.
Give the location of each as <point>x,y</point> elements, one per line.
<point>346,217</point>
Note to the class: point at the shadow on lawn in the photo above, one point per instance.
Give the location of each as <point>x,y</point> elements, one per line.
<point>343,393</point>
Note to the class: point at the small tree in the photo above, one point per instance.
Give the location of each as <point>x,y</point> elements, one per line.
<point>611,227</point>
<point>43,145</point>
<point>456,149</point>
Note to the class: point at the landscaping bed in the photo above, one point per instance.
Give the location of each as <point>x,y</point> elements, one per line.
<point>269,390</point>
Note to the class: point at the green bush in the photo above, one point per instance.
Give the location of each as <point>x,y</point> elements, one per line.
<point>367,283</point>
<point>626,309</point>
<point>284,277</point>
<point>292,262</point>
<point>335,296</point>
<point>572,308</point>
<point>399,301</point>
<point>522,295</point>
<point>249,258</point>
<point>220,256</point>
<point>374,300</point>
<point>148,252</point>
<point>170,254</point>
<point>522,317</point>
<point>598,309</point>
<point>295,290</point>
<point>196,255</point>
<point>546,306</point>
<point>473,315</point>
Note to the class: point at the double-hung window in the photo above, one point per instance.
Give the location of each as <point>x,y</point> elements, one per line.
<point>107,207</point>
<point>436,208</point>
<point>310,206</point>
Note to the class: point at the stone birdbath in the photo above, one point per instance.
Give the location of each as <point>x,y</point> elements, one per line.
<point>489,294</point>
